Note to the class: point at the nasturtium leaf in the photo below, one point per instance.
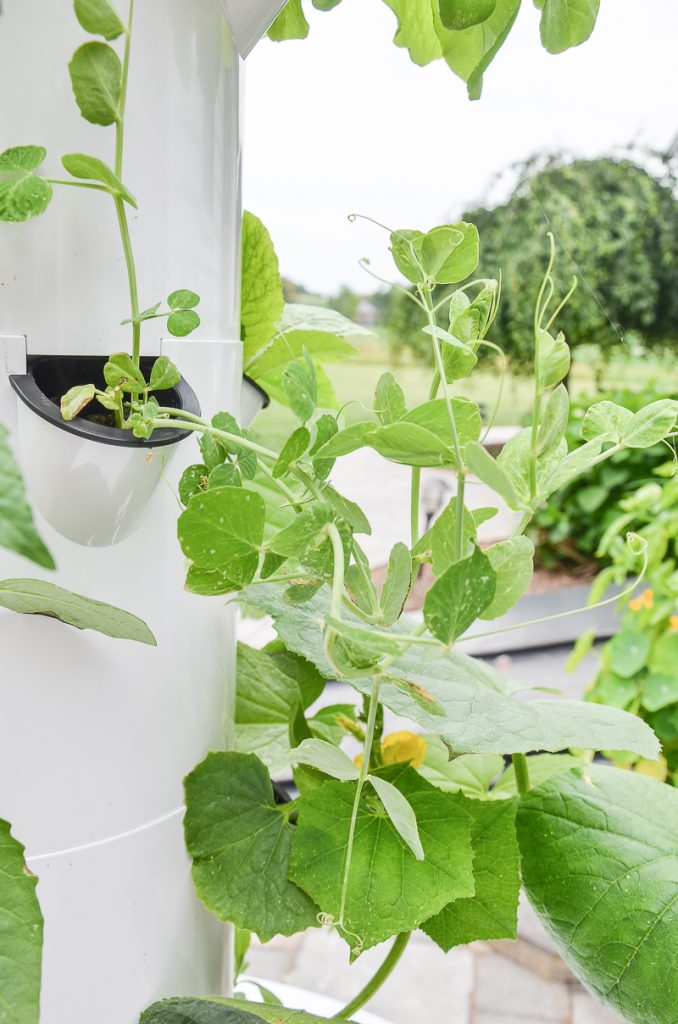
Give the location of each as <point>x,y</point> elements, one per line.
<point>554,421</point>
<point>290,24</point>
<point>389,400</point>
<point>400,813</point>
<point>460,14</point>
<point>470,52</point>
<point>90,168</point>
<point>327,758</point>
<point>295,446</point>
<point>470,774</point>
<point>300,386</point>
<point>122,372</point>
<point>648,426</point>
<point>389,890</point>
<point>606,419</point>
<point>193,480</point>
<point>614,690</point>
<point>23,196</point>
<point>513,564</point>
<point>202,1011</point>
<point>164,374</point>
<point>567,23</point>
<point>492,912</point>
<point>37,597</point>
<point>459,596</point>
<point>261,290</point>
<point>628,653</point>
<point>183,298</point>
<point>222,530</point>
<point>96,77</point>
<point>239,839</point>
<point>99,18</point>
<point>21,929</point>
<point>397,583</point>
<point>487,469</point>
<point>541,768</point>
<point>76,399</point>
<point>659,691</point>
<point>600,866</point>
<point>182,322</point>
<point>22,159</point>
<point>416,31</point>
<point>664,656</point>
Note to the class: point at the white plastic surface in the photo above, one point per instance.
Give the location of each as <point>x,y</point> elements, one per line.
<point>301,999</point>
<point>251,403</point>
<point>62,275</point>
<point>250,19</point>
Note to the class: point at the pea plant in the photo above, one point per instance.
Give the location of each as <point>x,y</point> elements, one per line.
<point>436,826</point>
<point>99,79</point>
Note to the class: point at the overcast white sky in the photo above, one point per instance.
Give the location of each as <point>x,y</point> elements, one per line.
<point>344,122</point>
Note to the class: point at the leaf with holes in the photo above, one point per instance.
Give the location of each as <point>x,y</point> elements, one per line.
<point>222,530</point>
<point>459,596</point>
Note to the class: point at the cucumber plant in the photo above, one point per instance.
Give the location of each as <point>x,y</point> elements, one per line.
<point>436,827</point>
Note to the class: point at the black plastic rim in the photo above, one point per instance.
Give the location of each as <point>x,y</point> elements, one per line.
<point>52,376</point>
<point>257,387</point>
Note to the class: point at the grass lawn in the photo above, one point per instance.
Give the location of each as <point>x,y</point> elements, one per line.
<point>355,380</point>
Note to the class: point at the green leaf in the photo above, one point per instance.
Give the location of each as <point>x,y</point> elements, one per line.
<point>122,372</point>
<point>182,322</point>
<point>554,423</point>
<point>461,14</point>
<point>400,814</point>
<point>20,934</point>
<point>23,196</point>
<point>22,159</point>
<point>470,774</point>
<point>492,913</point>
<point>451,252</point>
<point>346,441</point>
<point>459,596</point>
<point>90,168</point>
<point>17,529</point>
<point>434,416</point>
<point>397,584</point>
<point>389,400</point>
<point>194,480</point>
<point>290,23</point>
<point>99,18</point>
<point>542,767</point>
<point>488,470</point>
<point>295,446</point>
<point>628,652</point>
<point>606,419</point>
<point>513,564</point>
<point>470,52</point>
<point>416,31</point>
<point>164,374</point>
<point>320,332</point>
<point>327,758</point>
<point>659,691</point>
<point>301,389</point>
<point>564,470</point>
<point>305,532</point>
<point>36,597</point>
<point>325,429</point>
<point>183,299</point>
<point>651,424</point>
<point>664,657</point>
<point>239,840</point>
<point>389,890</point>
<point>408,444</point>
<point>262,300</point>
<point>222,530</point>
<point>224,1011</point>
<point>96,77</point>
<point>441,538</point>
<point>600,866</point>
<point>76,399</point>
<point>554,356</point>
<point>567,23</point>
<point>467,704</point>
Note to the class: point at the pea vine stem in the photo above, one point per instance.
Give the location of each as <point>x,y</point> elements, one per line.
<point>377,980</point>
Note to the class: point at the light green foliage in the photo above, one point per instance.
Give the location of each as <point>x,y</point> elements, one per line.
<point>20,934</point>
<point>470,774</point>
<point>460,596</point>
<point>224,1011</point>
<point>221,532</point>
<point>99,18</point>
<point>600,865</point>
<point>542,767</point>
<point>90,168</point>
<point>233,829</point>
<point>397,584</point>
<point>122,372</point>
<point>460,14</point>
<point>444,255</point>
<point>566,23</point>
<point>262,299</point>
<point>76,399</point>
<point>400,813</point>
<point>491,913</point>
<point>17,529</point>
<point>37,597</point>
<point>96,78</point>
<point>23,194</point>
<point>390,891</point>
<point>513,564</point>
<point>290,23</point>
<point>301,388</point>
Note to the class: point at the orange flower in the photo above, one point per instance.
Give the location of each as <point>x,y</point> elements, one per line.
<point>646,600</point>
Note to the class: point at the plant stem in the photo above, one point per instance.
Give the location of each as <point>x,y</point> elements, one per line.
<point>120,123</point>
<point>374,984</point>
<point>189,422</point>
<point>364,770</point>
<point>414,503</point>
<point>522,773</point>
<point>338,570</point>
<point>539,311</point>
<point>131,277</point>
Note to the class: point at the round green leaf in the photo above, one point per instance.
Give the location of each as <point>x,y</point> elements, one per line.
<point>24,197</point>
<point>99,18</point>
<point>460,14</point>
<point>600,865</point>
<point>75,400</point>
<point>182,322</point>
<point>22,158</point>
<point>96,77</point>
<point>122,372</point>
<point>164,374</point>
<point>183,299</point>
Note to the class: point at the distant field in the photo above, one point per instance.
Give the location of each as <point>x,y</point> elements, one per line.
<point>355,380</point>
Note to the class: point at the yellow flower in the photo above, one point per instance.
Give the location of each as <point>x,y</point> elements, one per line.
<point>674,622</point>
<point>646,600</point>
<point>653,769</point>
<point>358,761</point>
<point>403,746</point>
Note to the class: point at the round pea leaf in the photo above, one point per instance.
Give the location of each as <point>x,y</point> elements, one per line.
<point>182,322</point>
